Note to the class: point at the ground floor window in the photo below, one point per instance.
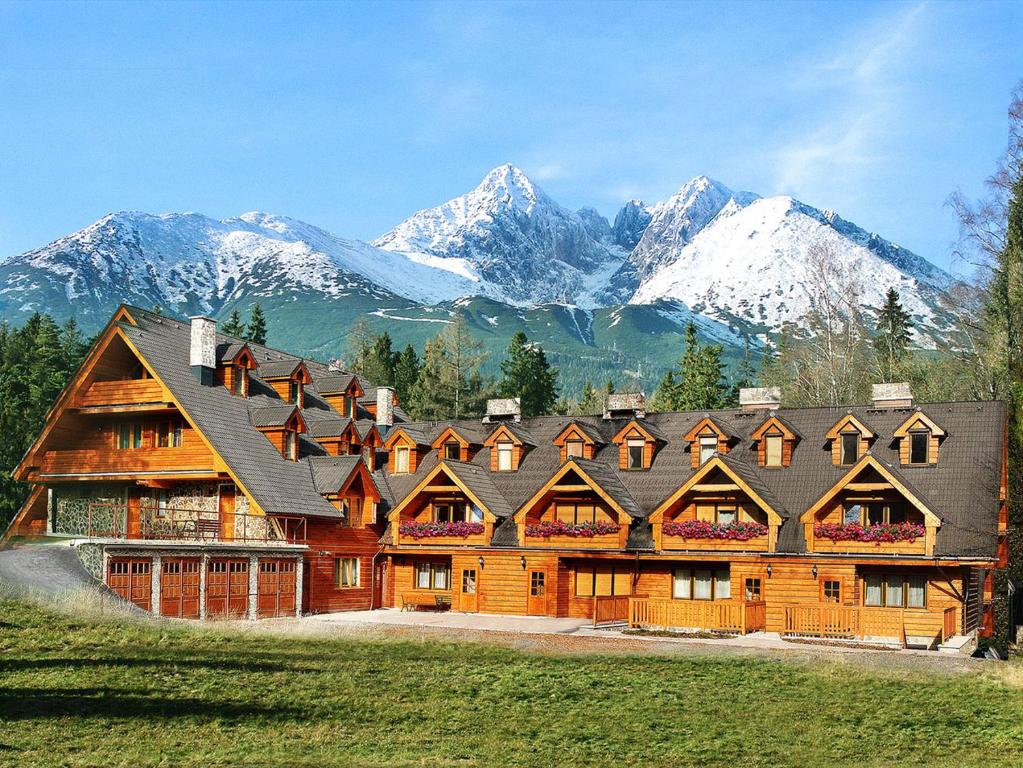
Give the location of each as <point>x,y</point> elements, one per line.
<point>895,591</point>
<point>346,571</point>
<point>831,591</point>
<point>602,581</point>
<point>752,590</point>
<point>702,584</point>
<point>432,576</point>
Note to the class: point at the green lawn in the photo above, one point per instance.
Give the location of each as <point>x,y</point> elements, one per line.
<point>82,691</point>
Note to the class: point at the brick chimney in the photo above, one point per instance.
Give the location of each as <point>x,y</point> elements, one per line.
<point>896,395</point>
<point>760,398</point>
<point>385,406</point>
<point>503,409</point>
<point>625,405</point>
<point>203,350</point>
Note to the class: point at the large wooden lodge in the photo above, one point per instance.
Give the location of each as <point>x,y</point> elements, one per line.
<point>202,476</point>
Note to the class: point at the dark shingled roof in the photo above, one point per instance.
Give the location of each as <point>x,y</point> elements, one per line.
<point>327,427</point>
<point>277,369</point>
<point>271,415</point>
<point>330,473</point>
<point>333,384</point>
<point>479,480</point>
<point>228,350</point>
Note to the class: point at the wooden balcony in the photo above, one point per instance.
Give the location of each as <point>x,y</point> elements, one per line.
<point>756,544</point>
<point>717,616</point>
<point>850,622</point>
<point>120,521</point>
<point>118,394</point>
<point>190,460</point>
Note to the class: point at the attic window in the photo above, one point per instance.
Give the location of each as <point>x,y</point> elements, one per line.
<point>291,445</point>
<point>504,456</point>
<point>452,451</point>
<point>919,442</point>
<point>850,448</point>
<point>574,448</point>
<point>636,453</point>
<point>401,460</point>
<point>240,381</point>
<point>295,392</point>
<point>708,447</point>
<point>773,444</point>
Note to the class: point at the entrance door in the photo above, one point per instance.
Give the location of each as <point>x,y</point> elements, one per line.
<point>179,587</point>
<point>276,588</point>
<point>225,509</point>
<point>227,589</point>
<point>132,579</point>
<point>537,602</point>
<point>467,596</point>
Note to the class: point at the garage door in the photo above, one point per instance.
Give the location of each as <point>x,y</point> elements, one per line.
<point>179,587</point>
<point>276,588</point>
<point>227,588</point>
<point>132,579</point>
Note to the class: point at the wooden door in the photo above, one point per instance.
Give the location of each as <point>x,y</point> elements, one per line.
<point>537,601</point>
<point>227,588</point>
<point>225,509</point>
<point>132,579</point>
<point>276,595</point>
<point>468,591</point>
<point>179,587</point>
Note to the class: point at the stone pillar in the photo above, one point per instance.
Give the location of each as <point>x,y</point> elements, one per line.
<point>253,586</point>
<point>299,568</point>
<point>202,586</point>
<point>155,574</point>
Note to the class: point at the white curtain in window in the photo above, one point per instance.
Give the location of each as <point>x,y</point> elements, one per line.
<point>703,582</point>
<point>722,585</point>
<point>440,578</point>
<point>423,576</point>
<point>726,515</point>
<point>681,589</point>
<point>893,591</point>
<point>873,596</point>
<point>917,588</point>
<point>504,457</point>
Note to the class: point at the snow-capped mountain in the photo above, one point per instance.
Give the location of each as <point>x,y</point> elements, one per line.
<point>522,246</point>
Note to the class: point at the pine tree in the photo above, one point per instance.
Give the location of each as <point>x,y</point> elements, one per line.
<point>380,361</point>
<point>698,383</point>
<point>358,346</point>
<point>234,325</point>
<point>406,371</point>
<point>589,402</point>
<point>891,338</point>
<point>746,376</point>
<point>450,384</point>
<point>527,375</point>
<point>257,325</point>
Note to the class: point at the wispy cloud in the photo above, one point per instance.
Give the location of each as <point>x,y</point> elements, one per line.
<point>860,91</point>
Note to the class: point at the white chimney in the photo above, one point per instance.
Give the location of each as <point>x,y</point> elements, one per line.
<point>385,406</point>
<point>760,398</point>
<point>896,395</point>
<point>503,409</point>
<point>625,405</point>
<point>203,349</point>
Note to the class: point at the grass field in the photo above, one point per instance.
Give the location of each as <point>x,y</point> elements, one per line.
<point>95,691</point>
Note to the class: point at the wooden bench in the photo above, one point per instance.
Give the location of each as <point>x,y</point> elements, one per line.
<point>414,602</point>
<point>443,603</point>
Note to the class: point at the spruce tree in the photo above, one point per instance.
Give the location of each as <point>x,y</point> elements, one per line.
<point>406,371</point>
<point>527,375</point>
<point>450,383</point>
<point>359,346</point>
<point>892,336</point>
<point>380,361</point>
<point>698,383</point>
<point>234,325</point>
<point>257,325</point>
<point>589,402</point>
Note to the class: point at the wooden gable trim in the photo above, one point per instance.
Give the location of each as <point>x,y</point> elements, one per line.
<point>630,429</point>
<point>848,423</point>
<point>775,423</point>
<point>299,373</point>
<point>123,315</point>
<point>502,434</point>
<point>449,434</point>
<point>570,466</point>
<point>701,429</point>
<point>868,461</point>
<point>921,418</point>
<point>691,485</point>
<point>573,432</point>
<point>399,435</point>
<point>635,431</point>
<point>14,526</point>
<point>395,514</point>
<point>244,358</point>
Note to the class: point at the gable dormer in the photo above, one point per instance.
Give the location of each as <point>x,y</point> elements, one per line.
<point>850,439</point>
<point>507,447</point>
<point>407,448</point>
<point>287,378</point>
<point>455,446</point>
<point>341,391</point>
<point>919,437</point>
<point>637,443</point>
<point>234,362</point>
<point>774,441</point>
<point>281,425</point>
<point>705,439</point>
<point>578,441</point>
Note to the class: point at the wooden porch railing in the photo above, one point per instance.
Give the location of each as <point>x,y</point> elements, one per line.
<point>948,625</point>
<point>826,620</point>
<point>117,521</point>
<point>725,615</point>
<point>611,609</point>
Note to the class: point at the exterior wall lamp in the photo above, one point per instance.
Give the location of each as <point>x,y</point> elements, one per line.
<point>522,562</point>
<point>481,561</point>
<point>769,569</point>
<point>814,570</point>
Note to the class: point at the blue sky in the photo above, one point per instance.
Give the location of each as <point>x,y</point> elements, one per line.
<point>352,116</point>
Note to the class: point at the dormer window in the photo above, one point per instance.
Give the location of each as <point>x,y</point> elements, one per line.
<point>291,445</point>
<point>918,444</point>
<point>919,439</point>
<point>705,439</point>
<point>636,448</point>
<point>452,451</point>
<point>773,449</point>
<point>401,460</point>
<point>295,392</point>
<point>239,381</point>
<point>708,447</point>
<point>637,443</point>
<point>505,455</point>
<point>574,448</point>
<point>578,441</point>
<point>850,448</point>
<point>850,440</point>
<point>774,440</point>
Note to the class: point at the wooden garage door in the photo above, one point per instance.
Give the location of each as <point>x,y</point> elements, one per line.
<point>132,579</point>
<point>227,588</point>
<point>179,587</point>
<point>276,588</point>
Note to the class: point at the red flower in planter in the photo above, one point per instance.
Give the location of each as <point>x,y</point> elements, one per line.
<point>877,533</point>
<point>559,528</point>
<point>429,530</point>
<point>702,529</point>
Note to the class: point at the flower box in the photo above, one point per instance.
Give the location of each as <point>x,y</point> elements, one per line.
<point>702,529</point>
<point>435,530</point>
<point>877,533</point>
<point>574,530</point>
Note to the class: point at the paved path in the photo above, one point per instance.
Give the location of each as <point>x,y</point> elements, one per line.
<point>453,620</point>
<point>45,568</point>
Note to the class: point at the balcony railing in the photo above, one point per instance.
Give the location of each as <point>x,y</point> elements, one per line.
<point>850,622</point>
<point>117,521</point>
<point>611,609</point>
<point>740,616</point>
